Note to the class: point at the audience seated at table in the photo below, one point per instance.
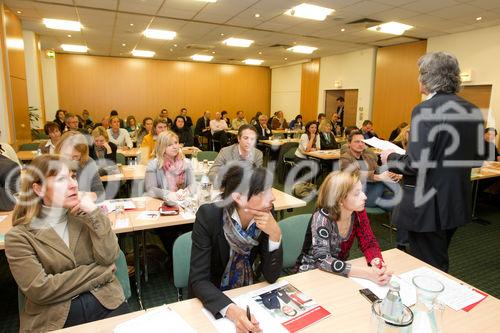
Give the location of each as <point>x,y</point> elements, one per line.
<point>149,141</point>
<point>357,157</point>
<point>202,128</point>
<point>60,119</point>
<point>263,131</point>
<point>244,150</point>
<point>188,122</point>
<point>327,138</point>
<point>74,146</point>
<point>227,238</point>
<point>169,175</point>
<point>87,123</point>
<point>255,120</point>
<point>164,115</point>
<point>367,130</point>
<point>146,128</point>
<point>491,151</point>
<point>239,120</point>
<point>347,132</point>
<point>61,251</point>
<point>224,116</point>
<point>296,123</point>
<point>184,133</point>
<point>119,136</point>
<point>10,172</point>
<point>103,152</point>
<point>309,141</point>
<point>115,113</point>
<point>279,121</point>
<point>339,218</point>
<point>218,128</point>
<point>395,133</point>
<point>132,128</point>
<point>72,123</point>
<point>53,131</point>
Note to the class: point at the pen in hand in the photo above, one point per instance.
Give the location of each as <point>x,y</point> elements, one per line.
<point>249,315</point>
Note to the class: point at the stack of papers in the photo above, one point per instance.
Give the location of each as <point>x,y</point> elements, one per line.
<point>384,145</point>
<point>110,205</point>
<point>162,319</point>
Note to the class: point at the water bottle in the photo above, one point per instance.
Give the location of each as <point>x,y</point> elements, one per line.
<point>205,189</point>
<point>392,307</point>
<point>121,218</point>
<point>38,152</point>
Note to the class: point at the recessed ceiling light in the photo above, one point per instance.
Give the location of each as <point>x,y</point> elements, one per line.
<point>143,53</point>
<point>201,57</point>
<point>222,34</point>
<point>213,52</point>
<point>238,42</point>
<point>123,44</point>
<point>159,34</point>
<point>260,52</point>
<point>343,29</point>
<point>479,18</point>
<point>74,48</point>
<point>131,24</point>
<point>311,12</point>
<point>175,45</point>
<point>257,15</point>
<point>19,12</point>
<point>69,36</point>
<point>256,62</point>
<point>302,49</point>
<point>285,58</point>
<point>62,24</point>
<point>393,28</point>
<point>211,1</point>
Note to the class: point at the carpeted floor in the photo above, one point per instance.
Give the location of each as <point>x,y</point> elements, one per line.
<point>474,257</point>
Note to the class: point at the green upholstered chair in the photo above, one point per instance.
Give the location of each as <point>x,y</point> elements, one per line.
<point>181,254</point>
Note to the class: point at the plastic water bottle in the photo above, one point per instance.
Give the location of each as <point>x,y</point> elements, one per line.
<point>205,189</point>
<point>392,306</point>
<point>38,152</point>
<point>121,218</point>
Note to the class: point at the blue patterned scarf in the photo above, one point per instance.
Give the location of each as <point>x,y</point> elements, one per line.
<point>238,272</point>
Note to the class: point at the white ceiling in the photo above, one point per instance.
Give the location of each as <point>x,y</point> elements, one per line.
<point>107,25</point>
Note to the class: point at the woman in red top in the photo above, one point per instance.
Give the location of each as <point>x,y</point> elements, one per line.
<point>339,218</point>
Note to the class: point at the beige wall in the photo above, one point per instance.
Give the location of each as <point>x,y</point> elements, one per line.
<point>478,51</point>
<point>356,71</point>
<point>142,87</point>
<point>33,78</point>
<point>285,90</point>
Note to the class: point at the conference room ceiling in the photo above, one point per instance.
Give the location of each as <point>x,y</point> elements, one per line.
<point>114,27</point>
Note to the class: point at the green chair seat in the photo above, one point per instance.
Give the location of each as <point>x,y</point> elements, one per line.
<point>207,155</point>
<point>28,146</point>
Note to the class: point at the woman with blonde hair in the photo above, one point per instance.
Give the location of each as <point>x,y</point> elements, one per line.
<point>340,217</point>
<point>61,251</point>
<point>327,138</point>
<point>169,175</point>
<point>74,146</point>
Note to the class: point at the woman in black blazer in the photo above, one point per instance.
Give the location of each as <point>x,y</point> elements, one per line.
<point>252,232</point>
<point>326,135</point>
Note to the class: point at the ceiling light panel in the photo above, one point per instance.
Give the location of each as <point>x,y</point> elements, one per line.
<point>393,28</point>
<point>159,34</point>
<point>62,24</point>
<point>255,62</point>
<point>143,53</point>
<point>311,12</point>
<point>201,57</point>
<point>74,48</point>
<point>238,42</point>
<point>302,49</point>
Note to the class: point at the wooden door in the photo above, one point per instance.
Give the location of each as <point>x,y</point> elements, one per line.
<point>331,101</point>
<point>350,107</point>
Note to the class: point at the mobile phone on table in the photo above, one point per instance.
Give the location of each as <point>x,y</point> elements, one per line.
<point>368,294</point>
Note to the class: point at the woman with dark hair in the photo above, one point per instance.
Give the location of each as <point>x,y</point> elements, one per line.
<point>132,128</point>
<point>255,119</point>
<point>53,131</point>
<point>60,119</point>
<point>146,128</point>
<point>296,123</point>
<point>61,251</point>
<point>309,141</point>
<point>184,133</point>
<point>224,117</point>
<point>227,238</point>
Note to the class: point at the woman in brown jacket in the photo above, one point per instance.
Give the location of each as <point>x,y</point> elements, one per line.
<point>61,251</point>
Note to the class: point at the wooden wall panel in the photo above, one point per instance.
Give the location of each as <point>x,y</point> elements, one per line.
<point>396,89</point>
<point>143,87</point>
<point>15,76</point>
<point>309,90</point>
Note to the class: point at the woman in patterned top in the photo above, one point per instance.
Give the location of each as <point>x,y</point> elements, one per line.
<point>339,218</point>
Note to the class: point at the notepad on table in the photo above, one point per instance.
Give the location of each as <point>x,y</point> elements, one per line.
<point>162,319</point>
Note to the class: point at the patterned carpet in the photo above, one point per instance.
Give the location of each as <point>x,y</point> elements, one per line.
<point>474,258</point>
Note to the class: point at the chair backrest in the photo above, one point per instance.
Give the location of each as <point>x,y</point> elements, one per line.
<point>121,274</point>
<point>181,254</point>
<point>28,146</point>
<point>293,231</point>
<point>207,155</point>
<point>290,154</point>
<point>120,159</point>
